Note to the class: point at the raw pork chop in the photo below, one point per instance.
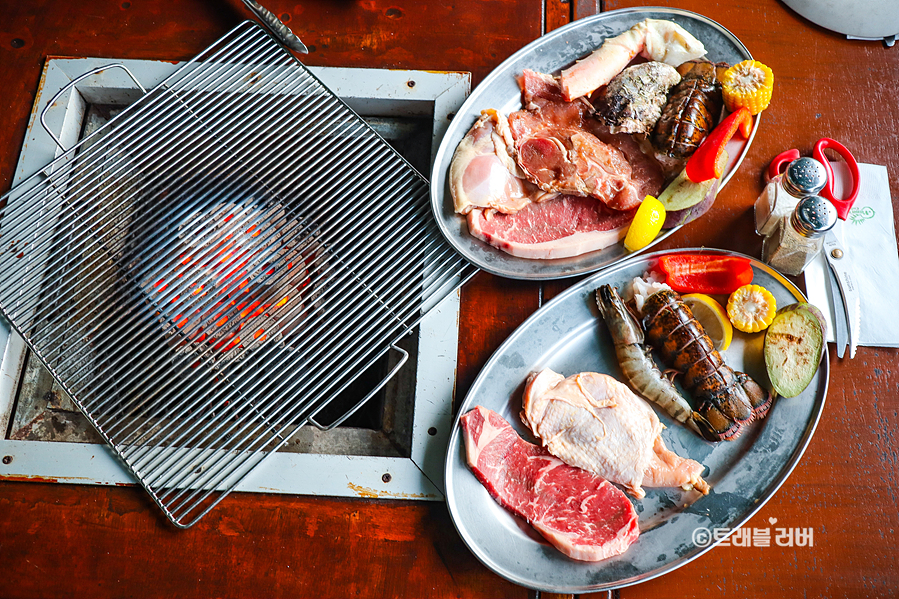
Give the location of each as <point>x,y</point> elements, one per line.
<point>559,228</point>
<point>582,515</point>
<point>592,421</point>
<point>483,173</point>
<point>558,154</point>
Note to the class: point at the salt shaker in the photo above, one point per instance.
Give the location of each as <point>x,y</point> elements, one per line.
<point>798,239</point>
<point>803,177</point>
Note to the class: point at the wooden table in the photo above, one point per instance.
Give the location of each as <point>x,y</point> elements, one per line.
<point>61,540</point>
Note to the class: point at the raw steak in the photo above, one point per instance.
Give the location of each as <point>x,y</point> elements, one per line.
<point>559,228</point>
<point>582,515</point>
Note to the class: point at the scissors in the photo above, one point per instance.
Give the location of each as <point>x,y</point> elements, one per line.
<point>843,285</point>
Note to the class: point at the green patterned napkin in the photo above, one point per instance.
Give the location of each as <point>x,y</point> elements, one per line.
<point>869,237</point>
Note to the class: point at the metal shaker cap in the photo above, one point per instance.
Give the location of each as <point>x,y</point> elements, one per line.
<point>804,177</point>
<point>813,217</point>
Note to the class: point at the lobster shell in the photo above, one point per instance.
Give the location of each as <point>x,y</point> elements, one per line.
<point>691,112</point>
<point>726,399</point>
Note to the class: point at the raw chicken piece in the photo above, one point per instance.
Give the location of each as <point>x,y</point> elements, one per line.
<point>654,39</point>
<point>632,102</point>
<point>592,421</point>
<point>483,173</point>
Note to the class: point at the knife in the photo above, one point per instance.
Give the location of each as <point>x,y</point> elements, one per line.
<point>274,24</point>
<point>847,289</point>
<point>840,319</point>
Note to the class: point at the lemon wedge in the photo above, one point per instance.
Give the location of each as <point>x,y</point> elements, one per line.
<point>646,225</point>
<point>712,317</point>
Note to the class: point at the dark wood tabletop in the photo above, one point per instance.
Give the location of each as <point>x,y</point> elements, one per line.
<point>94,541</point>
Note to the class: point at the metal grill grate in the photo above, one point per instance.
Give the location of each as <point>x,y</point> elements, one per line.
<point>218,262</point>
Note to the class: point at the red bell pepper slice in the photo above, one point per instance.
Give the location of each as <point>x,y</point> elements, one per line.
<point>704,273</point>
<point>707,161</point>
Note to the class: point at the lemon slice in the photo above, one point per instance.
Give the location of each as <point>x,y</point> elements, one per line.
<point>712,317</point>
<point>646,225</point>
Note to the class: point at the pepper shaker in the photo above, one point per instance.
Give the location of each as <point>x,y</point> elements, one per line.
<point>803,177</point>
<point>798,239</point>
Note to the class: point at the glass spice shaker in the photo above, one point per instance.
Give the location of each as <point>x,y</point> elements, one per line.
<point>798,239</point>
<point>802,177</point>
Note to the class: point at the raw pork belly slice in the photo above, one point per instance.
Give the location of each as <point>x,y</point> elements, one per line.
<point>582,515</point>
<point>559,228</point>
<point>592,421</point>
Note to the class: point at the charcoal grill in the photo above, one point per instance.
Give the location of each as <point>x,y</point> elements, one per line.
<point>220,260</point>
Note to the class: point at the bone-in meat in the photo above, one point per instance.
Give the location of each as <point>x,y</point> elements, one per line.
<point>582,515</point>
<point>647,174</point>
<point>559,154</point>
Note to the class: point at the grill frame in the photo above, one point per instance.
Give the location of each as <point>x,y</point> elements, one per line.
<point>188,455</point>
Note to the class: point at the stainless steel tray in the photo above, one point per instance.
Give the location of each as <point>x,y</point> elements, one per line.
<point>500,91</point>
<point>568,336</point>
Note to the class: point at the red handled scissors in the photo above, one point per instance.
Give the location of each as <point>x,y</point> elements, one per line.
<point>842,205</point>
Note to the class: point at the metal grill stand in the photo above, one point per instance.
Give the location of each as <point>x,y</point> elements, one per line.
<point>215,264</point>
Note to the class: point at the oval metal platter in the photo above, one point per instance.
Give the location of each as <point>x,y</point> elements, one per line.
<point>568,336</point>
<point>549,54</point>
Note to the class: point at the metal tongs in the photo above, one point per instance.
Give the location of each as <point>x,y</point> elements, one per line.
<point>274,24</point>
<point>845,298</point>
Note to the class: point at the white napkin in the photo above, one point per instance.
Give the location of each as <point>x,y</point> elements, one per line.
<point>869,237</point>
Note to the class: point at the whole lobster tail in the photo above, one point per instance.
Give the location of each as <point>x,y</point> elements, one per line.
<point>691,112</point>
<point>726,400</point>
<point>725,390</point>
